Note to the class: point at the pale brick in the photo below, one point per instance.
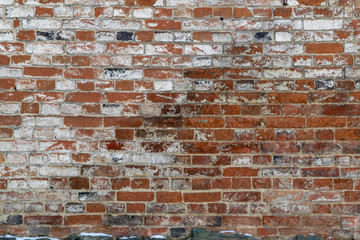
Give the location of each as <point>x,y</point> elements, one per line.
<point>6,24</point>
<point>162,86</point>
<point>41,24</point>
<point>45,48</point>
<point>6,72</point>
<point>322,24</point>
<point>198,49</point>
<point>19,12</point>
<point>59,171</point>
<point>6,36</point>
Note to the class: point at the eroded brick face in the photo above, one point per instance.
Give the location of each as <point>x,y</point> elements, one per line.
<point>144,117</point>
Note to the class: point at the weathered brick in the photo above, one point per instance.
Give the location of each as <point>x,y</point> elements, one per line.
<point>151,117</point>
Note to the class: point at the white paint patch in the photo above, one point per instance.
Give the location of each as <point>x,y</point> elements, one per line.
<point>229,231</point>
<point>28,238</point>
<point>157,237</point>
<point>94,235</point>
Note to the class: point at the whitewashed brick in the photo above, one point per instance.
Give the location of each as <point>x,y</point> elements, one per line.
<point>322,72</point>
<point>16,158</point>
<point>198,49</point>
<point>201,25</point>
<point>222,37</point>
<point>202,61</point>
<point>45,48</point>
<point>63,11</point>
<point>41,24</point>
<point>65,85</point>
<point>17,145</point>
<point>49,121</point>
<point>6,2</point>
<point>85,48</point>
<point>283,37</point>
<point>282,73</point>
<point>121,60</point>
<point>6,24</point>
<point>10,108</point>
<point>243,25</point>
<point>120,73</point>
<point>90,24</point>
<point>163,37</point>
<point>6,36</point>
<point>71,109</point>
<point>162,86</point>
<point>322,24</point>
<point>181,3</point>
<point>19,12</point>
<point>59,171</point>
<point>143,13</point>
<point>121,24</point>
<point>6,72</point>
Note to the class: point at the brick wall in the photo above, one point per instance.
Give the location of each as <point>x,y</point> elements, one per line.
<point>142,117</point>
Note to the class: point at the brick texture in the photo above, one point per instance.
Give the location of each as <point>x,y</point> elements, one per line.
<point>144,117</point>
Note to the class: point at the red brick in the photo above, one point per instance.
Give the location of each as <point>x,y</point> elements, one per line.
<point>125,97</point>
<point>168,197</point>
<point>210,172</point>
<point>203,12</point>
<point>240,172</point>
<point>163,13</point>
<point>242,12</point>
<point>83,220</point>
<point>135,196</point>
<point>203,73</point>
<point>44,12</point>
<point>250,147</point>
<point>120,183</point>
<point>80,121</point>
<point>326,122</point>
<point>347,134</point>
<point>4,60</point>
<point>288,97</point>
<point>79,183</point>
<point>275,221</point>
<point>95,208</point>
<point>48,220</point>
<point>241,220</point>
<point>42,72</point>
<point>27,35</point>
<point>311,2</point>
<point>280,147</point>
<point>81,157</point>
<point>135,207</point>
<point>45,84</point>
<point>84,97</point>
<point>123,121</point>
<point>140,184</point>
<point>324,48</point>
<point>85,35</point>
<point>32,108</point>
<point>145,3</point>
<point>320,172</point>
<point>202,197</point>
<point>242,122</point>
<point>9,120</point>
<point>200,147</point>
